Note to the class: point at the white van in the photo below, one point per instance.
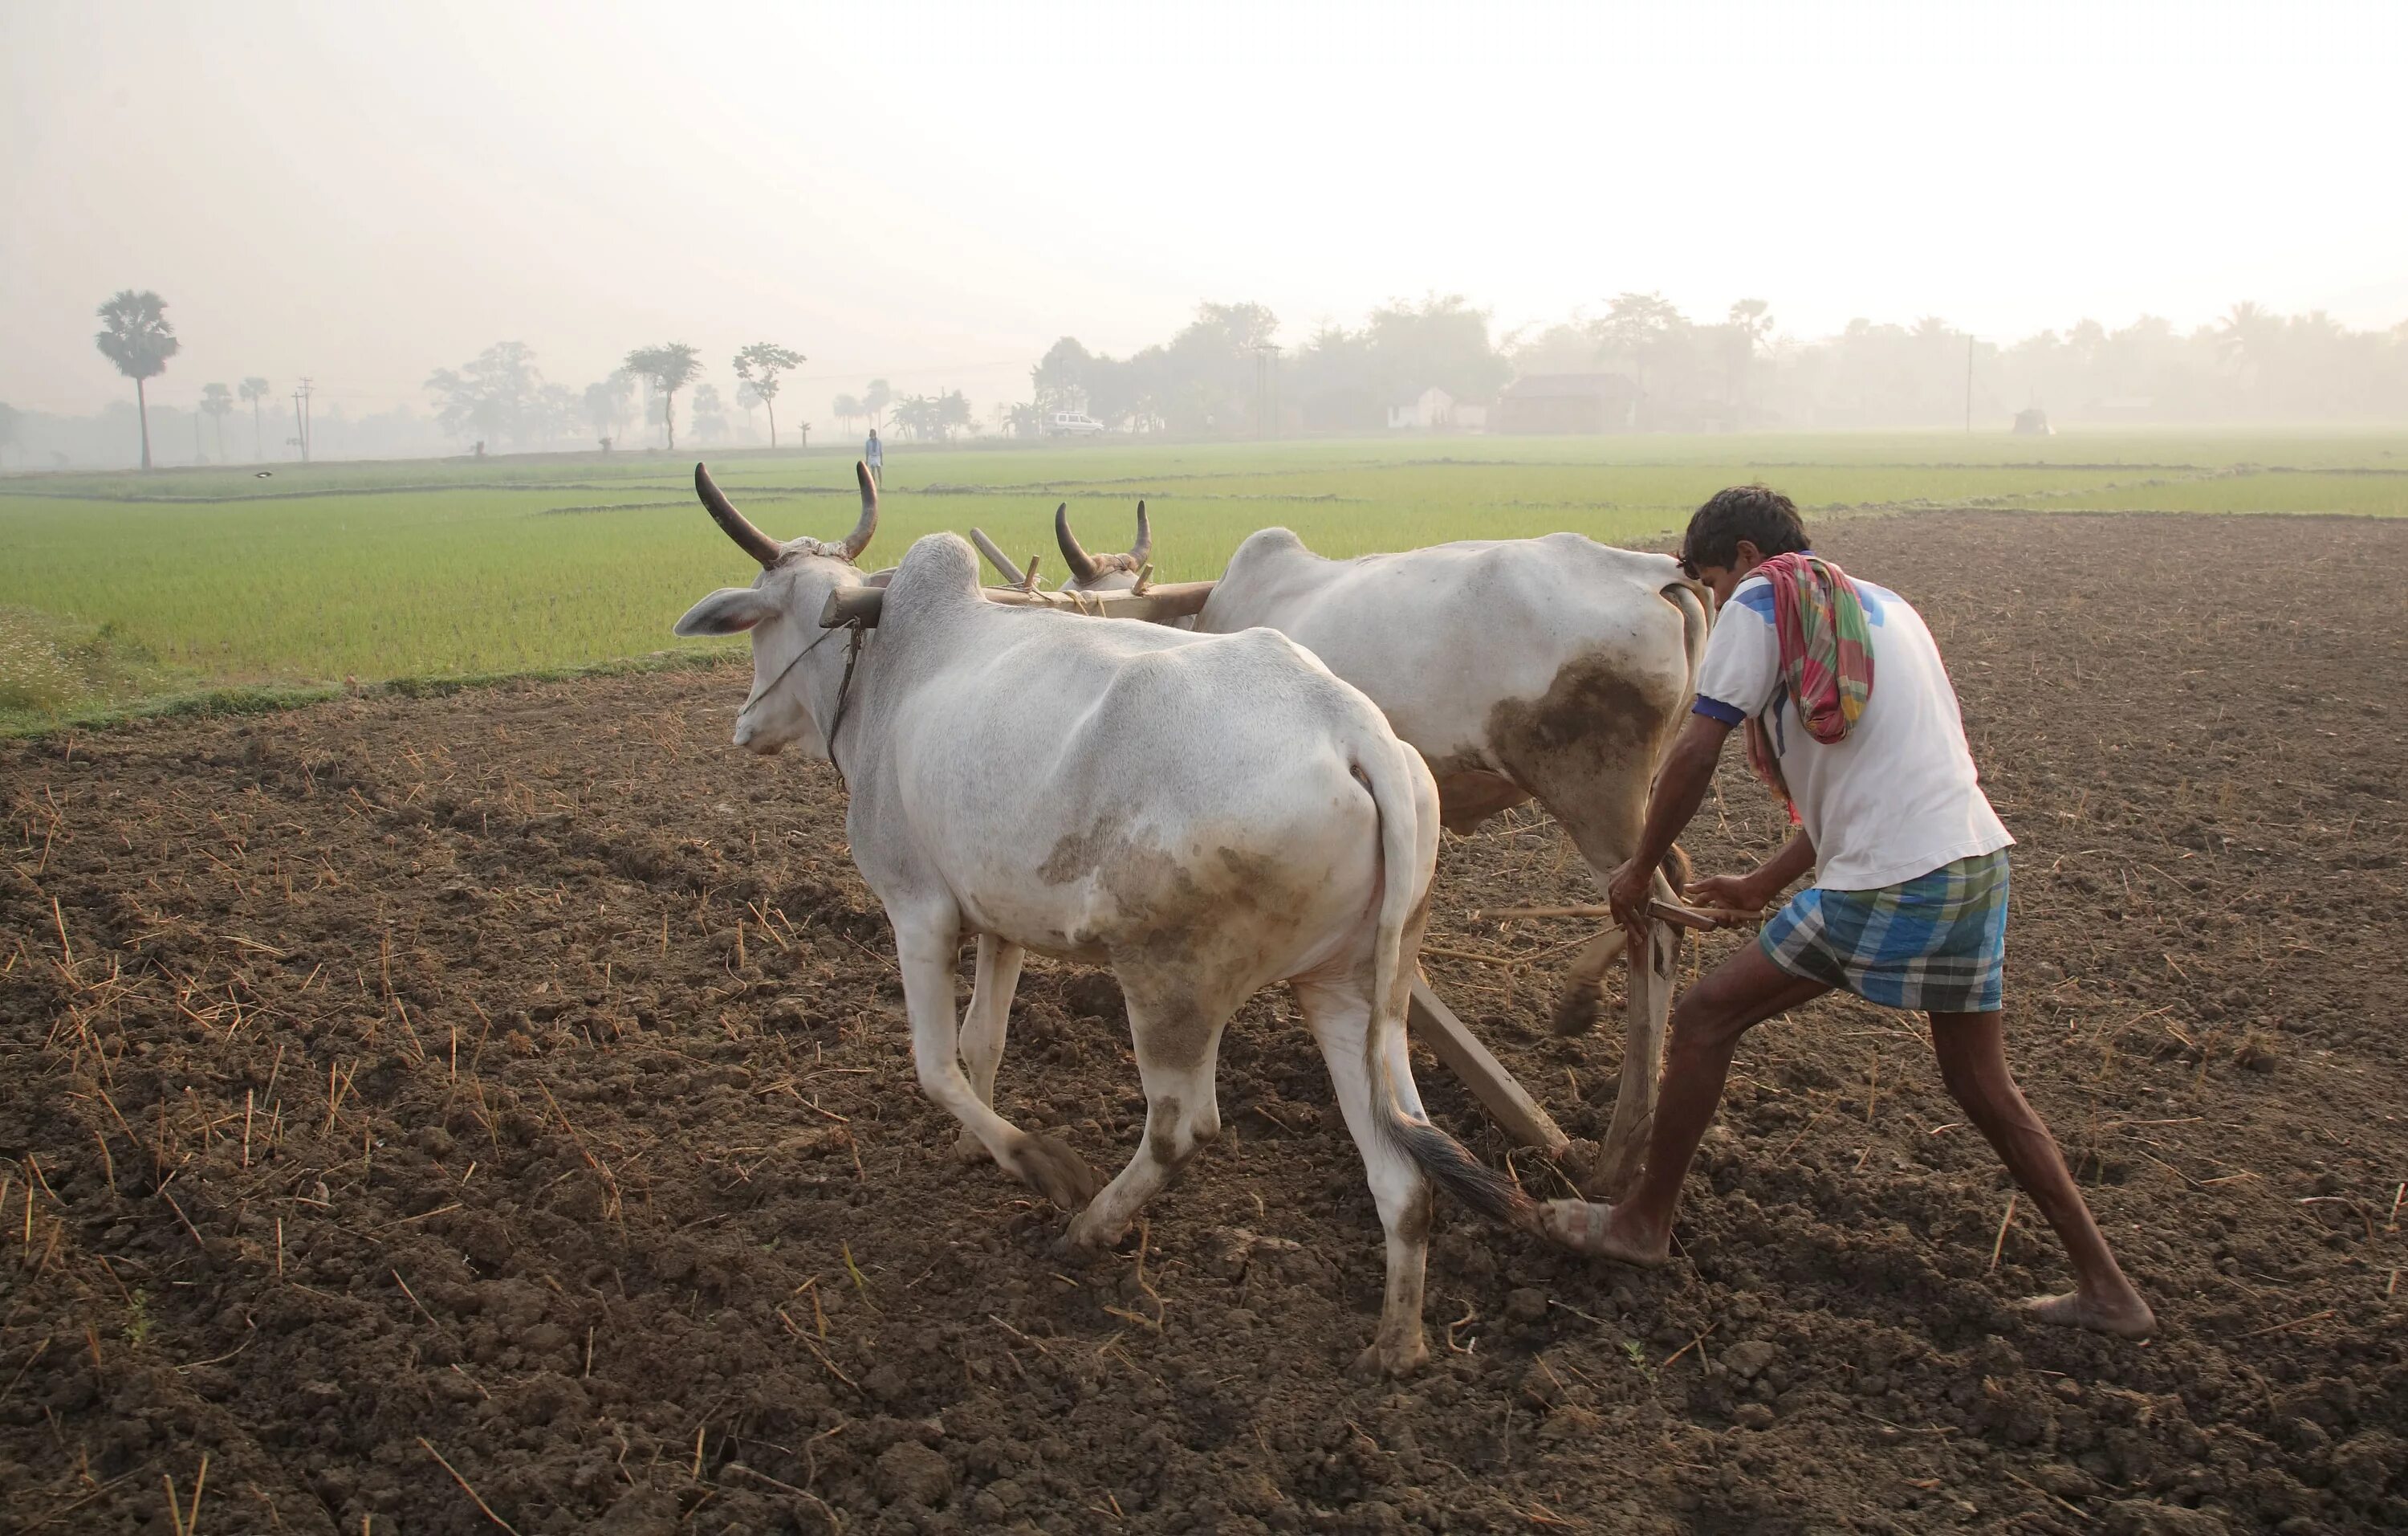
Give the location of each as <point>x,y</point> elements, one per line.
<point>1073,423</point>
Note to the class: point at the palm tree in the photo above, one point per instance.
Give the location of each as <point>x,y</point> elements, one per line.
<point>217,401</point>
<point>2249,335</point>
<point>137,338</point>
<point>2246,333</point>
<point>874,399</point>
<point>848,410</point>
<point>254,390</point>
<point>759,366</point>
<point>671,367</point>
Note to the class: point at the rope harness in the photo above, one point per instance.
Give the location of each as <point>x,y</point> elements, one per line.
<point>844,694</point>
<point>844,689</point>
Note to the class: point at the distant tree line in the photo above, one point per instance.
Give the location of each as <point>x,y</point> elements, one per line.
<point>501,398</point>
<point>1222,374</point>
<point>498,400</point>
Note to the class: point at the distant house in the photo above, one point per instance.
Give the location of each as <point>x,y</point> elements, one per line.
<point>1569,403</point>
<point>1432,411</point>
<point>2033,424</point>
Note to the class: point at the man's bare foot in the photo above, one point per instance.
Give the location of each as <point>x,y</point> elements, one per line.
<point>1601,1231</point>
<point>2126,1316</point>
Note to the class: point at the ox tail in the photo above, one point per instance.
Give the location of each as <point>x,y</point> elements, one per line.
<point>1694,623</point>
<point>1408,852</point>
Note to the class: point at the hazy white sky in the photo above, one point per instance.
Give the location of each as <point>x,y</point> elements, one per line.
<point>934,194</point>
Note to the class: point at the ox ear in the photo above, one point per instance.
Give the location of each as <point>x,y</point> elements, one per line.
<point>730,611</point>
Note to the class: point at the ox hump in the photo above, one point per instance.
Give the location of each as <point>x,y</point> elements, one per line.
<point>1272,544</point>
<point>938,570</point>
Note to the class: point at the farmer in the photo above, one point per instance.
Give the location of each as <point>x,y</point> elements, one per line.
<point>1849,717</point>
<point>874,456</point>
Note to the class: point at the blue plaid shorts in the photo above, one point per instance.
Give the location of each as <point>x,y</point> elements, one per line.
<point>1934,944</point>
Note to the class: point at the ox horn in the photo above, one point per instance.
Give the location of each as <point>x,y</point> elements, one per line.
<point>996,557</point>
<point>1082,566</point>
<point>1144,545</point>
<point>858,540</point>
<point>752,540</point>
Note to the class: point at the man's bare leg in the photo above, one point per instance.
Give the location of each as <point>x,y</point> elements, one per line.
<point>1972,1048</point>
<point>1736,996</point>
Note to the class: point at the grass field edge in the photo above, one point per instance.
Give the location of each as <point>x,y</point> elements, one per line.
<point>268,698</point>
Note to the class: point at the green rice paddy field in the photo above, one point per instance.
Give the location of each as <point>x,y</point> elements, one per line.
<point>130,591</point>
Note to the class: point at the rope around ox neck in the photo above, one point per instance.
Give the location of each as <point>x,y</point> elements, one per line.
<point>843,694</point>
<point>843,691</point>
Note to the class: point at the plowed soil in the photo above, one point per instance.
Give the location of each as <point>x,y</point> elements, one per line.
<point>496,1108</point>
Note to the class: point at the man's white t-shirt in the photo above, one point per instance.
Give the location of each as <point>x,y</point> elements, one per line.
<point>1898,796</point>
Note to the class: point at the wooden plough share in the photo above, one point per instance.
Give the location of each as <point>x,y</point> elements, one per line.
<point>1430,1020</point>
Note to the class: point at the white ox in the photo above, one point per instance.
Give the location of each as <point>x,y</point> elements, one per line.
<point>1205,814</point>
<point>1553,670</point>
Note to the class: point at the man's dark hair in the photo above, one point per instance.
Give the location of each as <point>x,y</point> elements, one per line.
<point>1757,513</point>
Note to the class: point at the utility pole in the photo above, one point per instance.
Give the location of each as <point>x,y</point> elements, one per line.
<point>1968,383</point>
<point>301,418</point>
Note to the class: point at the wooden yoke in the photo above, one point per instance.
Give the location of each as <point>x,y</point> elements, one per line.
<point>1154,604</point>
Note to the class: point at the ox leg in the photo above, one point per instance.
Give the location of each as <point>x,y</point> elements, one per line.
<point>1339,1015</point>
<point>1576,1006</point>
<point>927,949</point>
<point>1178,1044</point>
<point>1642,1064</point>
<point>984,1025</point>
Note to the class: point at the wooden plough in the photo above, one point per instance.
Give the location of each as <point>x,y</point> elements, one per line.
<point>1158,603</point>
<point>1430,1020</point>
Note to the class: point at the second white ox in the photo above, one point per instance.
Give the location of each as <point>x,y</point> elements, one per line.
<point>1553,670</point>
<point>1205,814</point>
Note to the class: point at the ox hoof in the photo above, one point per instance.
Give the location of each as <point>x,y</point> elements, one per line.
<point>1054,1170</point>
<point>1391,1359</point>
<point>1086,1242</point>
<point>1577,1008</point>
<point>969,1151</point>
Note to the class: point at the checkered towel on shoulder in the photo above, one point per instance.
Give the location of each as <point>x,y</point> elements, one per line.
<point>1826,658</point>
<point>1934,944</point>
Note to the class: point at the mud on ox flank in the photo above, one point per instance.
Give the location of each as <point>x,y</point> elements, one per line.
<point>1207,814</point>
<point>1551,670</point>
